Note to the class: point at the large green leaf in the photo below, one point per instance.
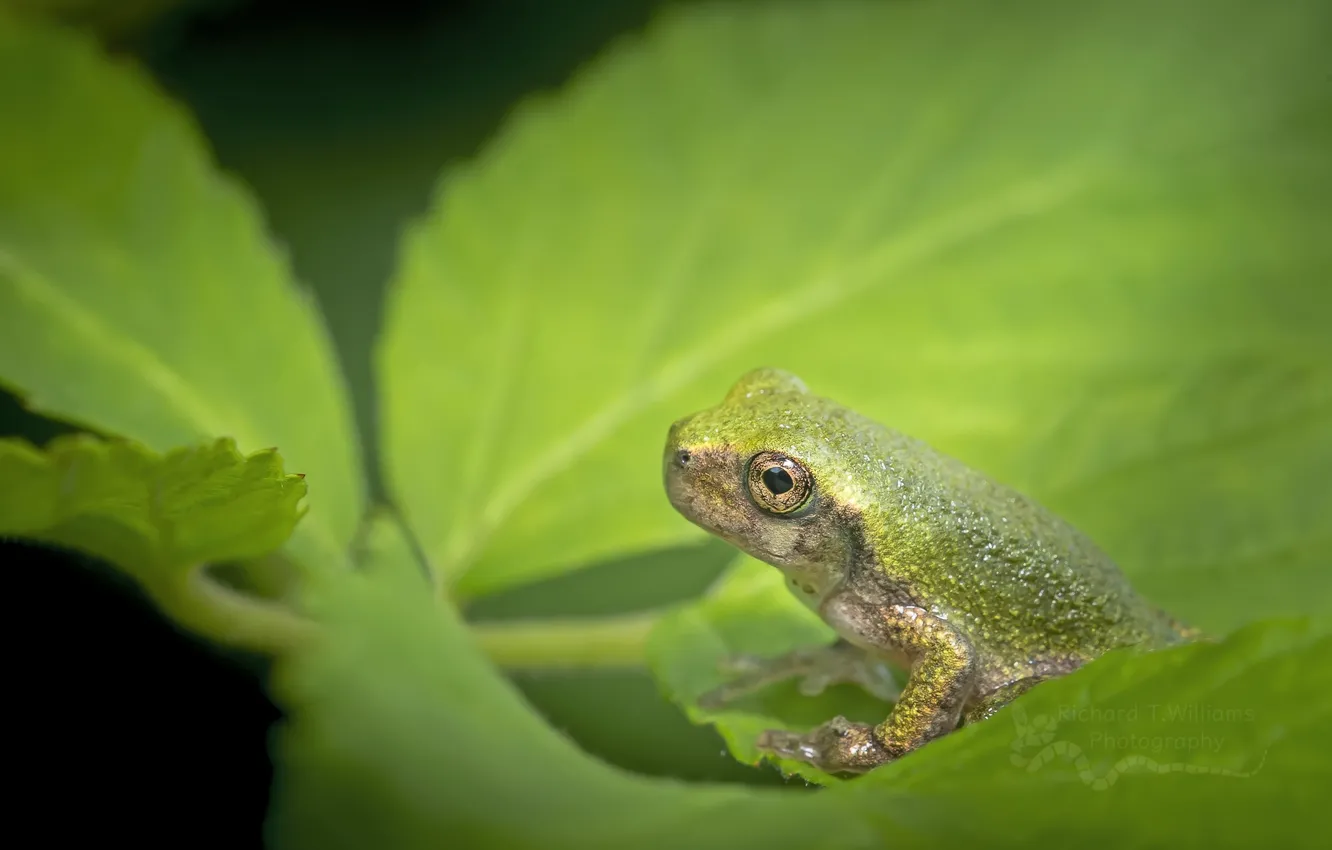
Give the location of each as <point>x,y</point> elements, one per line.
<point>161,519</point>
<point>400,734</point>
<point>139,294</point>
<point>751,612</point>
<point>1203,746</point>
<point>1081,246</point>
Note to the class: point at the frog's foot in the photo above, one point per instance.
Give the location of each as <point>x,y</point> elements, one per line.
<point>817,668</point>
<point>838,746</point>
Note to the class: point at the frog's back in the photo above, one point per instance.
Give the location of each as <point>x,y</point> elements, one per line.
<point>1023,580</point>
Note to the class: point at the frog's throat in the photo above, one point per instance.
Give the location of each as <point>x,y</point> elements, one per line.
<point>823,571</point>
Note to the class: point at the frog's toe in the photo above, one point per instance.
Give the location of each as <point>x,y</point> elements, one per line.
<point>750,673</point>
<point>736,665</point>
<point>878,680</point>
<point>789,745</point>
<point>838,746</point>
<point>720,697</point>
<point>874,677</point>
<point>816,683</point>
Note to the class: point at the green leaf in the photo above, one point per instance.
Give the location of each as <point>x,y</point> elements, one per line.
<point>139,294</point>
<point>161,519</point>
<point>1201,746</point>
<point>400,734</point>
<point>1123,714</point>
<point>109,18</point>
<point>1081,246</point>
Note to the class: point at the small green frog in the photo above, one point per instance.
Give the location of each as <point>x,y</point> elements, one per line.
<point>912,557</point>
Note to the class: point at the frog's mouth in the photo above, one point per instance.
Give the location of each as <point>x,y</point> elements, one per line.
<point>691,507</point>
<point>703,484</point>
<point>740,542</point>
<point>688,506</point>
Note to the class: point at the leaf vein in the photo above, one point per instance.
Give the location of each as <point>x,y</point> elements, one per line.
<point>1026,199</point>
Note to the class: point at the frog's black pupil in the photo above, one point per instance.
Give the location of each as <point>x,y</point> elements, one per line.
<point>777,480</point>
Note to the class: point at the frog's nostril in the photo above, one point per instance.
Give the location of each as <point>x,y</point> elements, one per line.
<point>683,457</point>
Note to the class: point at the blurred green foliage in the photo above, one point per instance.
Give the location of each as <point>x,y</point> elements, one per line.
<point>1078,246</point>
<point>142,296</point>
<point>188,507</point>
<point>116,21</point>
<point>161,520</point>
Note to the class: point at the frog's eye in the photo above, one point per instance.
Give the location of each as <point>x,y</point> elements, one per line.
<point>779,484</point>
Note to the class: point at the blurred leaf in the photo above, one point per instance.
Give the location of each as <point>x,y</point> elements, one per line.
<point>401,735</point>
<point>146,512</point>
<point>139,294</point>
<point>110,18</point>
<point>1049,242</point>
<point>159,518</point>
<point>642,582</point>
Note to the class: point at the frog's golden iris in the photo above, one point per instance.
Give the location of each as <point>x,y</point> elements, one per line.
<point>779,483</point>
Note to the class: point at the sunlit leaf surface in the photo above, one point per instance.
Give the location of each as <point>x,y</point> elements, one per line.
<point>1081,246</point>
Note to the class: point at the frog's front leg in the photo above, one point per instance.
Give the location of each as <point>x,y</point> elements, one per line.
<point>943,674</point>
<point>817,668</point>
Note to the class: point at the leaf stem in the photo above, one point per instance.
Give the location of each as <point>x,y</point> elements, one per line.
<point>203,605</point>
<point>561,644</point>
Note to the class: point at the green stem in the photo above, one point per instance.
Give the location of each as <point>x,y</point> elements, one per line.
<point>203,605</point>
<point>215,611</point>
<point>601,642</point>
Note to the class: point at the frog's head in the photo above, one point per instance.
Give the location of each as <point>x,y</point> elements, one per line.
<point>767,471</point>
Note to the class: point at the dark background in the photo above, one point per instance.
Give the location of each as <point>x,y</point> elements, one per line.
<point>341,122</point>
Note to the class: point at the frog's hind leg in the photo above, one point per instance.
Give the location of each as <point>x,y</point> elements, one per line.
<point>1187,633</point>
<point>817,668</point>
<point>997,699</point>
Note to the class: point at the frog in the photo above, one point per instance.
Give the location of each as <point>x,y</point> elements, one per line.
<point>918,562</point>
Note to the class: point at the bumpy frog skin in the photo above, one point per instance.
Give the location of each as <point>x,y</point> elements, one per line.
<point>909,555</point>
